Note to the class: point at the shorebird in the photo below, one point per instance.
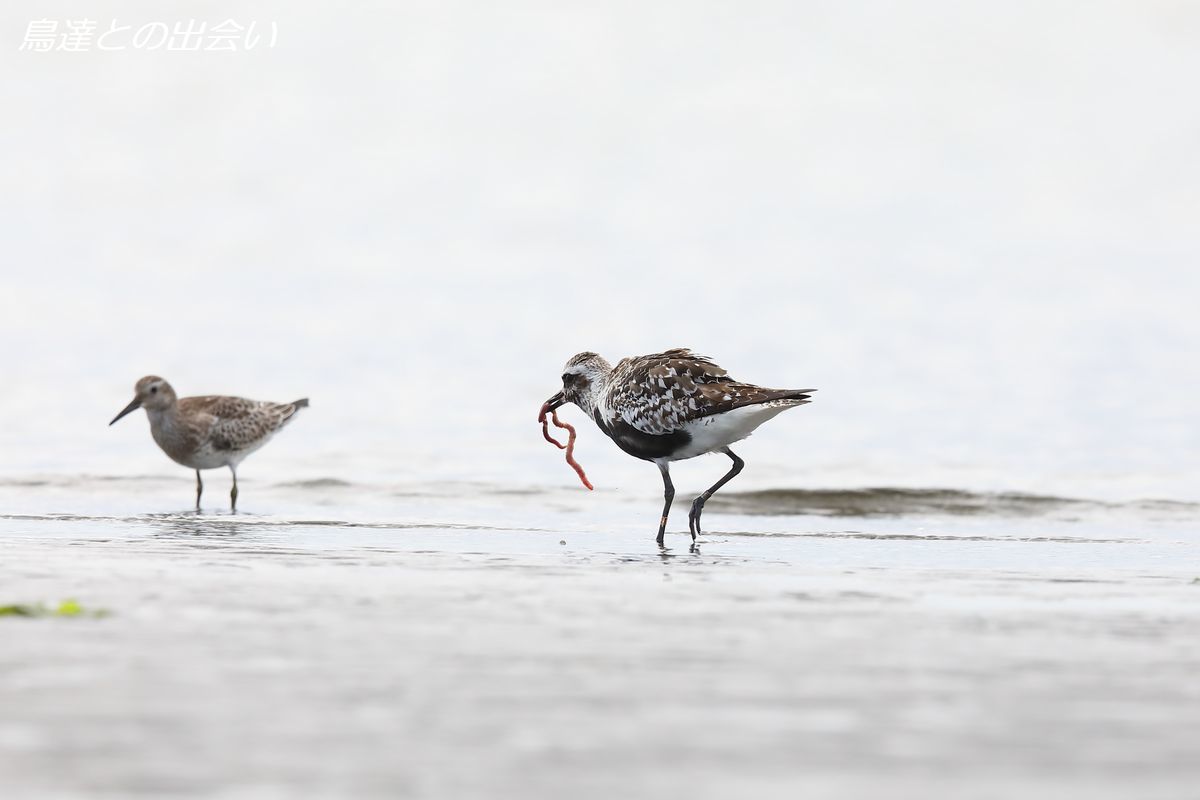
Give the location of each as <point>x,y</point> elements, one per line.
<point>208,432</point>
<point>671,406</point>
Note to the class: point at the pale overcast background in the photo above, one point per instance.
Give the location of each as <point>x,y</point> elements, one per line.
<point>972,226</point>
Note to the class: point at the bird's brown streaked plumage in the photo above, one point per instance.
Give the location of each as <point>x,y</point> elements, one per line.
<point>668,406</point>
<point>234,424</point>
<point>209,431</point>
<point>660,393</point>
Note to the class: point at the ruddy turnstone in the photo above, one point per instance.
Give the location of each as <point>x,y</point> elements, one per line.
<point>669,406</point>
<point>208,432</point>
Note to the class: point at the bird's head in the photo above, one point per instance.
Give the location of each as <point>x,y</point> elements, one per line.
<point>151,393</point>
<point>583,377</point>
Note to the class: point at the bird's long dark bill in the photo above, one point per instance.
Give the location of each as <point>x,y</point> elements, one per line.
<point>550,405</point>
<point>133,405</point>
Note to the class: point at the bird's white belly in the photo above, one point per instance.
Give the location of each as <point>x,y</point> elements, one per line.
<point>207,457</point>
<point>721,430</point>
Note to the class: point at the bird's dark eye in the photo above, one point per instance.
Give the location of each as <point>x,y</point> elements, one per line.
<point>153,390</point>
<point>566,377</point>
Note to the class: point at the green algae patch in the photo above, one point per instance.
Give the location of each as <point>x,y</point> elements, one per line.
<point>67,608</point>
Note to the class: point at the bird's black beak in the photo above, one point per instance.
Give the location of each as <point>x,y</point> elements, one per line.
<point>134,404</point>
<point>551,404</point>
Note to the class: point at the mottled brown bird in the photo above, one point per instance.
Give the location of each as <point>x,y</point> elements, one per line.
<point>208,432</point>
<point>669,406</point>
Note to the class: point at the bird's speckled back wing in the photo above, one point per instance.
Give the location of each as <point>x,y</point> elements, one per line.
<point>235,423</point>
<point>660,393</point>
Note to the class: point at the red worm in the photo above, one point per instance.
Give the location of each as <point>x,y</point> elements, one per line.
<point>569,446</point>
<point>546,431</point>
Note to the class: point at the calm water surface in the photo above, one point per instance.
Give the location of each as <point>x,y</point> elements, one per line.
<point>475,641</point>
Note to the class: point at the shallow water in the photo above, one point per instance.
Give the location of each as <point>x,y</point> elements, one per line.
<point>480,641</point>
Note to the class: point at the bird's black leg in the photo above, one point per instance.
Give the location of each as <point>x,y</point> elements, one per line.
<point>668,496</point>
<point>233,492</point>
<point>199,489</point>
<point>698,503</point>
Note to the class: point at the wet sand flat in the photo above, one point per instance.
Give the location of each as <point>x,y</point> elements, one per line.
<point>260,657</point>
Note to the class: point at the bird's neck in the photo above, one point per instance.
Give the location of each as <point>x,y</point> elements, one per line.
<point>173,432</point>
<point>165,424</point>
<point>163,417</point>
<point>592,403</point>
